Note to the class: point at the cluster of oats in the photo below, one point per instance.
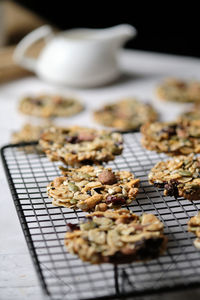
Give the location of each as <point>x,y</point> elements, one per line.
<point>93,188</point>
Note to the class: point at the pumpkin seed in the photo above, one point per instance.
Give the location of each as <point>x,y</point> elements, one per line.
<point>185,173</point>
<point>87,225</point>
<point>73,201</point>
<point>72,187</point>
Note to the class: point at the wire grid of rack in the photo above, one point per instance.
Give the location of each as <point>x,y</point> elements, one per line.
<point>64,276</point>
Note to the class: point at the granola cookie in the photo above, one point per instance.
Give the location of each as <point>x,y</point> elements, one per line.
<point>28,133</point>
<point>125,115</point>
<point>78,145</point>
<point>93,188</point>
<point>173,138</point>
<point>193,114</point>
<point>194,227</point>
<point>116,237</point>
<point>178,90</point>
<point>180,177</point>
<point>47,106</point>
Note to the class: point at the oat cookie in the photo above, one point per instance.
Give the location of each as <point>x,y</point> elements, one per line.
<point>47,106</point>
<point>78,145</point>
<point>193,114</point>
<point>194,227</point>
<point>173,138</point>
<point>180,177</point>
<point>93,188</point>
<point>178,90</point>
<point>127,114</point>
<point>28,133</point>
<point>116,237</point>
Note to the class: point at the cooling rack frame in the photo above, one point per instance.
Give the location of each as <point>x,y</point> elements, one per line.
<point>19,164</point>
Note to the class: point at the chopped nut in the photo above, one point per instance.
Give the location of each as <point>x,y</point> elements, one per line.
<point>86,136</point>
<point>107,177</point>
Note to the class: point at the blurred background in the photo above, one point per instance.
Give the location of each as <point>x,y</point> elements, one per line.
<point>163,27</point>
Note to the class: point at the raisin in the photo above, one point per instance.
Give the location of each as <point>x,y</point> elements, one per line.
<point>170,130</point>
<point>98,190</point>
<point>159,184</point>
<point>73,227</point>
<point>72,139</point>
<point>171,188</point>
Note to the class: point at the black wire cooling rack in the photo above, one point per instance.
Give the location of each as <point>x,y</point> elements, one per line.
<point>64,276</point>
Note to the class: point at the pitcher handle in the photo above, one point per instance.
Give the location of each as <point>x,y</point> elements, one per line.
<point>36,35</point>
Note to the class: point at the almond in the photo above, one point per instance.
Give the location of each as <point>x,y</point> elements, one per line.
<point>107,177</point>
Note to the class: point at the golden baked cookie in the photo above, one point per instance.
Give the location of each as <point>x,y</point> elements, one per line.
<point>125,115</point>
<point>79,145</point>
<point>192,114</point>
<point>180,177</point>
<point>47,106</point>
<point>116,237</point>
<point>28,133</point>
<point>93,188</point>
<point>172,138</point>
<point>178,90</point>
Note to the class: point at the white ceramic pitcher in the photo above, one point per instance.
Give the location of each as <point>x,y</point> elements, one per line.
<point>77,57</point>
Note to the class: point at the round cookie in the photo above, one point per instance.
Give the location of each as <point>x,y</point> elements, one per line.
<point>193,114</point>
<point>116,237</point>
<point>28,133</point>
<point>125,115</point>
<point>178,90</point>
<point>194,227</point>
<point>172,138</point>
<point>180,177</point>
<point>93,188</point>
<point>47,106</point>
<point>78,145</point>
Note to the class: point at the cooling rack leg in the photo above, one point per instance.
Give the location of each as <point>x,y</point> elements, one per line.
<point>116,279</point>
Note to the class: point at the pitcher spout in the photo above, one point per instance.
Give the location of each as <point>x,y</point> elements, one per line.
<point>120,33</point>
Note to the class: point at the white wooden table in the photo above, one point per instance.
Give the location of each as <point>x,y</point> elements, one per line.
<point>142,72</point>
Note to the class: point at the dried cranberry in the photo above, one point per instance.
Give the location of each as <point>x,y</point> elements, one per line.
<point>116,200</point>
